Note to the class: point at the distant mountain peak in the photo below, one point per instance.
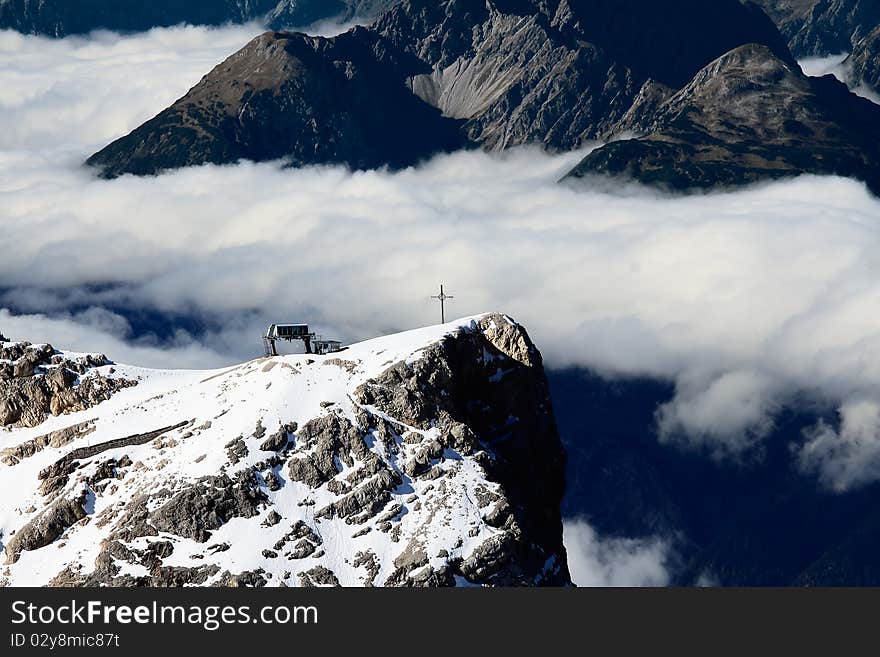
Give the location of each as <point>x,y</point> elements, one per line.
<point>747,117</point>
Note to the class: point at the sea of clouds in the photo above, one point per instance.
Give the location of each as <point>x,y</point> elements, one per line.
<point>747,299</point>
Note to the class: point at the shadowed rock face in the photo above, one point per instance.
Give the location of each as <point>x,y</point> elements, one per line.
<point>747,117</point>
<point>492,400</point>
<point>823,27</point>
<point>63,17</point>
<point>865,62</point>
<point>307,99</point>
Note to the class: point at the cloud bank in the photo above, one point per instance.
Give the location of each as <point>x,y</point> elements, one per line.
<point>96,329</point>
<point>604,562</point>
<point>746,300</point>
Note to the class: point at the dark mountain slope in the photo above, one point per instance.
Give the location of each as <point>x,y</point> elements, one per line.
<point>748,117</point>
<point>864,64</point>
<point>309,99</point>
<point>669,41</point>
<point>823,27</point>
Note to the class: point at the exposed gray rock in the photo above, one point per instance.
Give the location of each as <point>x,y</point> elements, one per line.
<point>54,439</point>
<point>318,576</point>
<point>448,382</point>
<point>273,483</point>
<point>309,100</point>
<point>307,541</point>
<point>325,439</point>
<point>491,558</point>
<point>559,73</point>
<point>248,579</point>
<point>107,570</point>
<point>54,477</point>
<point>178,576</point>
<point>46,528</point>
<point>41,382</point>
<point>365,501</point>
<point>207,505</point>
<point>823,27</point>
<point>281,439</point>
<point>864,64</point>
<point>370,563</point>
<point>236,450</point>
<point>460,436</point>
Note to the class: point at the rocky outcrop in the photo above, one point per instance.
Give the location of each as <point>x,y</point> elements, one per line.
<point>47,527</point>
<point>55,476</point>
<point>55,439</point>
<point>318,576</point>
<point>823,27</point>
<point>59,18</point>
<point>36,381</point>
<point>712,88</point>
<point>747,117</point>
<point>436,394</point>
<point>864,63</point>
<point>440,466</point>
<point>206,505</point>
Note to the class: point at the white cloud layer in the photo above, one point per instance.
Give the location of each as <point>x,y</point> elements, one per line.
<point>744,299</point>
<point>595,561</point>
<point>97,330</point>
<point>850,456</point>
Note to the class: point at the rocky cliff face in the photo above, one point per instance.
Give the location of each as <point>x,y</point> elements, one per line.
<point>36,381</point>
<point>59,18</point>
<point>823,27</point>
<point>864,64</point>
<point>427,458</point>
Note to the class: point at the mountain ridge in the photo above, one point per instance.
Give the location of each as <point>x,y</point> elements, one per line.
<point>745,118</point>
<point>503,73</point>
<point>818,28</point>
<point>491,74</point>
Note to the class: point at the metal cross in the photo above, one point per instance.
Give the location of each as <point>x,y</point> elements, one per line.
<point>442,298</point>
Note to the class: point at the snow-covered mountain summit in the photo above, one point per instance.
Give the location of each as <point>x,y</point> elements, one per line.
<point>430,457</point>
